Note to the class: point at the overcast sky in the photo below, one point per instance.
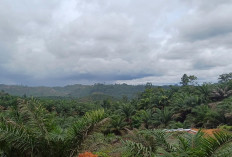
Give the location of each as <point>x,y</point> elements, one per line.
<point>61,42</point>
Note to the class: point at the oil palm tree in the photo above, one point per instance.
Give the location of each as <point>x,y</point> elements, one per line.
<point>154,143</point>
<point>200,145</point>
<point>147,117</point>
<point>164,116</point>
<point>127,110</point>
<point>117,125</point>
<point>147,143</point>
<point>39,135</point>
<point>221,93</point>
<point>205,90</point>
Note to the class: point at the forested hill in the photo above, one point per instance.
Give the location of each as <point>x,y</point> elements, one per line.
<point>117,90</point>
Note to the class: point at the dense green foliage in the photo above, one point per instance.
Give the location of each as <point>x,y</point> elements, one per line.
<point>30,130</point>
<point>57,126</point>
<point>77,91</point>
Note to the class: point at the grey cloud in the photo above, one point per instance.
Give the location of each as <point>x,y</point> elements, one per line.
<point>204,23</point>
<point>84,41</point>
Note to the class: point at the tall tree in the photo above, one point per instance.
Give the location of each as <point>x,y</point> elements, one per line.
<point>223,78</point>
<point>186,80</point>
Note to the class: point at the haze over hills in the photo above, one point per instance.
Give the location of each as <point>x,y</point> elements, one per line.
<point>77,90</point>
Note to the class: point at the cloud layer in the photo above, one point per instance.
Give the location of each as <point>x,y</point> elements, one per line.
<point>87,41</point>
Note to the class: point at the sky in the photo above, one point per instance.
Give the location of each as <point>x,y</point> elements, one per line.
<point>57,42</point>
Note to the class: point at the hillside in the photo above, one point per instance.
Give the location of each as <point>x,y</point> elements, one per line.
<point>79,91</point>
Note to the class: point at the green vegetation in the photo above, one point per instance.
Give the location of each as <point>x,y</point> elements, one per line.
<point>77,91</point>
<point>109,126</point>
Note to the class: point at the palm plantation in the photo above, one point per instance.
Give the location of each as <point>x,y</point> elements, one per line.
<point>137,127</point>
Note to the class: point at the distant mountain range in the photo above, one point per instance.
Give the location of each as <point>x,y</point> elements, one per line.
<point>77,90</point>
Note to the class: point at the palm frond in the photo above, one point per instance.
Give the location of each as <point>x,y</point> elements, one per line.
<point>34,113</point>
<point>17,136</point>
<point>160,138</point>
<point>82,128</point>
<point>214,144</point>
<point>134,149</point>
